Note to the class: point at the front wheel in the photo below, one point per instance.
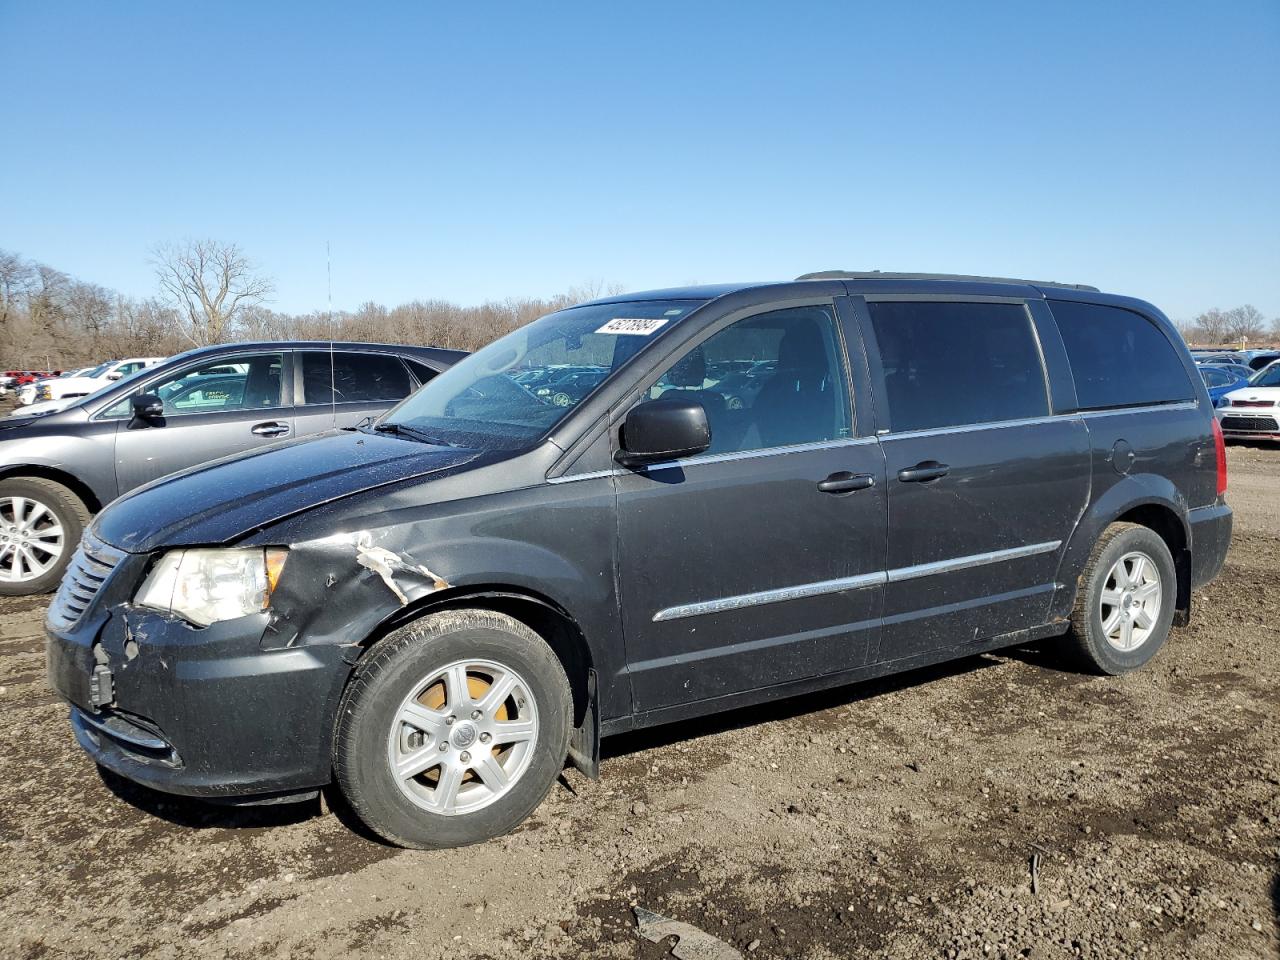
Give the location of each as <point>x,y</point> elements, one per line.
<point>1125,600</point>
<point>40,526</point>
<point>453,729</point>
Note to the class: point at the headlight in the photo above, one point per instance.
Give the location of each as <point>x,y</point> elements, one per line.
<point>208,586</point>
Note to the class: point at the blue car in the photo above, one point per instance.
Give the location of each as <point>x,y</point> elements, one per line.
<point>1239,369</point>
<point>1220,380</point>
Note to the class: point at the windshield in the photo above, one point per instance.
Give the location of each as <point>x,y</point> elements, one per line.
<point>1268,376</point>
<point>512,392</point>
<point>99,370</point>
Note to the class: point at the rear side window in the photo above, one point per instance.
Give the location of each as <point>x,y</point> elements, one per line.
<point>357,377</point>
<point>953,364</point>
<point>1119,358</point>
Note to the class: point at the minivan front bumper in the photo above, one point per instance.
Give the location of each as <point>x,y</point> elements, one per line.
<point>201,712</point>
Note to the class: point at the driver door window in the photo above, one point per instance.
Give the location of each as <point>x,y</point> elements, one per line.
<point>250,382</point>
<point>773,380</point>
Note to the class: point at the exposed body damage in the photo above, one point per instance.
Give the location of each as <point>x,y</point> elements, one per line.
<point>385,563</point>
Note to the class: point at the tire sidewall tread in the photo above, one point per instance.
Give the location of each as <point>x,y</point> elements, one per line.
<point>1090,641</point>
<point>384,677</point>
<point>71,512</point>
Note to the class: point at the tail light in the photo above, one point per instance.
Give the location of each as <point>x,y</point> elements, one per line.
<point>1220,448</point>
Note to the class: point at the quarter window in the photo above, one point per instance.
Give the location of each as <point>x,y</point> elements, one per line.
<point>1119,358</point>
<point>952,364</point>
<point>356,377</point>
<point>771,380</point>
<point>420,370</point>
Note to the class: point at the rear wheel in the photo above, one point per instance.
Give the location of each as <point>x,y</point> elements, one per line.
<point>1125,602</point>
<point>40,526</point>
<point>453,729</point>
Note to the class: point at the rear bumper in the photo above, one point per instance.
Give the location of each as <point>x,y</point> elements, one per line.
<point>1210,539</point>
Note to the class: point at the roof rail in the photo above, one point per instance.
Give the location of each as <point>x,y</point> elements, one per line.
<point>881,275</point>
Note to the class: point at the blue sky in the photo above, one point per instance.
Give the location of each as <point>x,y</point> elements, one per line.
<point>483,150</point>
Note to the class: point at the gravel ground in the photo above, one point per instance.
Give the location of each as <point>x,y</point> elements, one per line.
<point>893,819</point>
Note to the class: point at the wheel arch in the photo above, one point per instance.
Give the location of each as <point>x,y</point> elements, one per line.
<point>1151,502</point>
<point>541,614</point>
<point>68,480</point>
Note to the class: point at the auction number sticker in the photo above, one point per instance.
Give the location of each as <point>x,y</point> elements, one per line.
<point>633,326</point>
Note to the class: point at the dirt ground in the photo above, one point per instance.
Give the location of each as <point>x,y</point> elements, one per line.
<point>894,819</point>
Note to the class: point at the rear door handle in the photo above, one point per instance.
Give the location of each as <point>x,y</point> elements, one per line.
<point>846,482</point>
<point>271,429</point>
<point>923,472</point>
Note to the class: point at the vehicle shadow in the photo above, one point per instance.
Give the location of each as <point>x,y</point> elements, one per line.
<point>203,814</point>
<point>1054,653</point>
<point>1275,899</point>
<point>800,705</point>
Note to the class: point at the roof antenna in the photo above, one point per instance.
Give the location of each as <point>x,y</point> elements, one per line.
<point>333,386</point>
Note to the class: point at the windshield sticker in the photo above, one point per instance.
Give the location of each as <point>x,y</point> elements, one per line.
<point>633,326</point>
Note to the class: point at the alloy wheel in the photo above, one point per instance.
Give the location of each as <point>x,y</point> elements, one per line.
<point>32,540</point>
<point>463,737</point>
<point>1130,603</point>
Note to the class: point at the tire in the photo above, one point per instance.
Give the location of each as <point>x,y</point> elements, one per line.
<point>1134,629</point>
<point>52,506</point>
<point>401,675</point>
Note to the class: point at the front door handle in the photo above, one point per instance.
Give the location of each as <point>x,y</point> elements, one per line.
<point>271,429</point>
<point>923,472</point>
<point>846,482</point>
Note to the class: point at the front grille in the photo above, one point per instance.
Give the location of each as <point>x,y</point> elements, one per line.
<point>1253,403</point>
<point>90,566</point>
<point>1250,424</point>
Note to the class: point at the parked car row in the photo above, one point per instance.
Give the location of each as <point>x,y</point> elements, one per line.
<point>52,393</point>
<point>432,610</point>
<point>12,380</point>
<point>61,463</point>
<point>1253,359</point>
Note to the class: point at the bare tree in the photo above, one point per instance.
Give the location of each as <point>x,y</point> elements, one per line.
<point>16,275</point>
<point>1244,323</point>
<point>1211,327</point>
<point>211,285</point>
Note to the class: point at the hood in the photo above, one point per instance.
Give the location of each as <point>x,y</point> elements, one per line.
<point>79,383</point>
<point>1255,394</point>
<point>224,500</point>
<point>43,408</point>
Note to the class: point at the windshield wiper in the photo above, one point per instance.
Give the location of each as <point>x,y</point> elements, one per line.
<point>404,430</point>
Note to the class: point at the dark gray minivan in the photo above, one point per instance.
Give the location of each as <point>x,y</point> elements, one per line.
<point>58,468</point>
<point>434,610</point>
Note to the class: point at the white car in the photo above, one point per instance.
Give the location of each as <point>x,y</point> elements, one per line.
<point>63,388</point>
<point>27,392</point>
<point>1253,412</point>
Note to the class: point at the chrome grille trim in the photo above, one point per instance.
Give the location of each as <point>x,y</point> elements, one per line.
<point>90,566</point>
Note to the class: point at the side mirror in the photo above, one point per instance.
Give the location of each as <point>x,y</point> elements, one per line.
<point>147,406</point>
<point>114,375</point>
<point>665,429</point>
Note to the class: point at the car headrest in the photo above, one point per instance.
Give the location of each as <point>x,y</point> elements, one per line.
<point>690,370</point>
<point>802,348</point>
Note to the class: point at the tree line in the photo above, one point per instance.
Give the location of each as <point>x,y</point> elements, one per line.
<point>1231,328</point>
<point>209,292</point>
